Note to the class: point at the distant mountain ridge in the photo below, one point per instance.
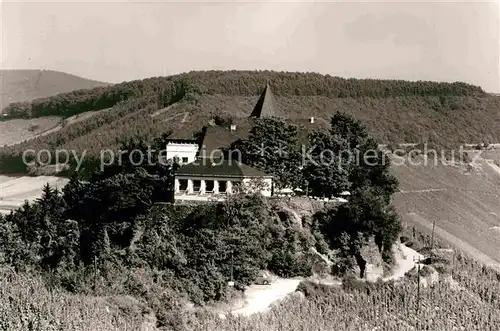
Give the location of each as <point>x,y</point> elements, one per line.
<point>17,85</point>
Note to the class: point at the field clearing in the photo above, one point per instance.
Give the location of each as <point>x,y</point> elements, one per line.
<point>464,203</point>
<point>15,190</point>
<point>17,130</point>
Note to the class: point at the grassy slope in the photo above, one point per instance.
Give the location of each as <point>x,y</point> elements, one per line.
<point>15,131</point>
<point>25,85</point>
<point>465,207</point>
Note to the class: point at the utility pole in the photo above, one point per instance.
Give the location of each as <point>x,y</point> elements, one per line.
<point>453,264</point>
<point>432,236</point>
<point>95,273</point>
<point>417,260</point>
<point>232,279</point>
<point>432,239</point>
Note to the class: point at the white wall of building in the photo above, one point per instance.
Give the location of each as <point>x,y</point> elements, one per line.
<point>182,151</point>
<point>203,181</point>
<point>265,185</point>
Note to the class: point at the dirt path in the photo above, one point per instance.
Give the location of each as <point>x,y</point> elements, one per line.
<point>405,264</point>
<point>457,242</point>
<point>259,298</point>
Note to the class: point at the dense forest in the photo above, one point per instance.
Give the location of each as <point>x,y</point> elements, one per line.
<point>242,83</point>
<point>443,114</point>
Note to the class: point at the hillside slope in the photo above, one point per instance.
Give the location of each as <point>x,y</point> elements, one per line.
<point>444,114</point>
<point>463,202</point>
<point>25,85</point>
<point>445,120</point>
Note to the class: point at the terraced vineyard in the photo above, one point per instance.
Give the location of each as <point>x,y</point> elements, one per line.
<point>464,203</point>
<point>468,301</point>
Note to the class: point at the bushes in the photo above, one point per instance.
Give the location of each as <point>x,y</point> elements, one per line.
<point>193,250</point>
<point>285,263</point>
<point>204,245</point>
<point>26,303</point>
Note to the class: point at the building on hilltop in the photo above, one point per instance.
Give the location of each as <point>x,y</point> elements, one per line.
<point>207,172</point>
<point>202,180</point>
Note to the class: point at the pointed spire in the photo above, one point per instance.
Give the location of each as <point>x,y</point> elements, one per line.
<point>266,106</point>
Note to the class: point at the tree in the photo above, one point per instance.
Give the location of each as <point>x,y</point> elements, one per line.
<point>350,226</point>
<point>346,158</point>
<point>105,206</point>
<point>372,170</point>
<point>273,148</point>
<point>326,172</point>
<point>73,191</point>
<point>50,226</point>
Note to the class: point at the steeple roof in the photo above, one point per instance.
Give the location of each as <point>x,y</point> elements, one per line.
<point>266,106</point>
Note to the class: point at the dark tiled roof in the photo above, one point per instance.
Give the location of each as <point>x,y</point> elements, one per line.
<point>217,137</point>
<point>225,168</point>
<point>266,105</point>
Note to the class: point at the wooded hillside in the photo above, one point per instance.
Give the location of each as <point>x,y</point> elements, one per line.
<point>394,111</point>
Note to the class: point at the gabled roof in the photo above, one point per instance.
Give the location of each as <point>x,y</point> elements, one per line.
<point>224,168</point>
<point>266,105</point>
<point>217,137</point>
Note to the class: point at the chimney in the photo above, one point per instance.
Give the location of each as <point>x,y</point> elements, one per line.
<point>312,120</point>
<point>233,127</point>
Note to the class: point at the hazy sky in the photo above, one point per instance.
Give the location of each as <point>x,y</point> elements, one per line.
<point>115,41</point>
